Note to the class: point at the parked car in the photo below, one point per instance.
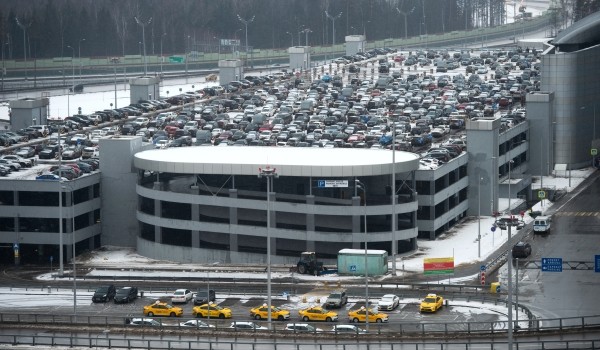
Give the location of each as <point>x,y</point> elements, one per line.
<point>104,294</point>
<point>301,328</point>
<point>182,296</point>
<point>262,312</point>
<point>431,303</point>
<point>360,315</point>
<point>162,309</point>
<point>203,296</point>
<point>513,221</point>
<point>144,322</point>
<point>14,166</point>
<point>211,310</point>
<point>388,302</point>
<point>196,324</point>
<point>72,152</point>
<point>347,329</point>
<point>50,152</point>
<point>317,314</point>
<point>26,152</point>
<point>49,177</point>
<point>247,326</point>
<point>24,163</point>
<point>126,295</point>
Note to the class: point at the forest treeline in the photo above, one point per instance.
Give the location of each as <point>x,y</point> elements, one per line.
<point>54,28</point>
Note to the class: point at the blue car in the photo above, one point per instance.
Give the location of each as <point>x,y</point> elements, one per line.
<point>49,176</point>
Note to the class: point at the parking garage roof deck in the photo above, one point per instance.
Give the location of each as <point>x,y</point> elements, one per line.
<point>288,161</point>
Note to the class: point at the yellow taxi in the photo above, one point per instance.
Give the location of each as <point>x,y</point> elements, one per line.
<point>360,315</point>
<point>162,309</point>
<point>262,312</point>
<point>431,303</point>
<point>318,314</point>
<point>211,310</point>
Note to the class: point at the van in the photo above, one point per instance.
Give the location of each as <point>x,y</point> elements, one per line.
<point>542,224</point>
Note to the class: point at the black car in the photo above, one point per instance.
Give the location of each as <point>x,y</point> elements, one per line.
<point>521,250</point>
<point>104,294</point>
<point>201,296</point>
<point>126,295</point>
<point>49,152</point>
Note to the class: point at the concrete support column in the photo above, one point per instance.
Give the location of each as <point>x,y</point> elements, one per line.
<point>310,224</point>
<point>357,233</point>
<point>157,213</point>
<point>233,220</point>
<point>273,222</point>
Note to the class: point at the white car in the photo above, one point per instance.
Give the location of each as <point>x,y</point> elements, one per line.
<point>247,326</point>
<point>182,296</point>
<point>196,324</point>
<point>388,302</point>
<point>144,322</point>
<point>347,329</point>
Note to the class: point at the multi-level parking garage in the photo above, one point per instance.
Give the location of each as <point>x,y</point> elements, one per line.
<point>210,200</point>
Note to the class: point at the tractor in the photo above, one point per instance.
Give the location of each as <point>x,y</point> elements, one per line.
<point>308,264</point>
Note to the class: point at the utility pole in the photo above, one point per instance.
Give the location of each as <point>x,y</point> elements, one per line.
<point>333,18</point>
<point>24,26</point>
<point>143,25</point>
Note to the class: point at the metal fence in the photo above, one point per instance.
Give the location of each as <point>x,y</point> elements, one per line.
<point>102,340</point>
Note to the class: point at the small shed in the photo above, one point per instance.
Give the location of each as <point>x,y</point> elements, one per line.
<point>352,262</point>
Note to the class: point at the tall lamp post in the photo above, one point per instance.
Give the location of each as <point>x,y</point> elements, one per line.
<point>291,37</point>
<point>24,27</point>
<point>405,20</point>
<point>270,174</point>
<point>333,18</point>
<point>143,25</point>
<point>72,80</point>
<point>305,31</point>
<point>208,289</point>
<point>479,219</point>
<point>245,22</point>
<point>64,187</point>
<point>161,52</point>
<point>79,49</point>
<point>364,189</point>
<point>394,218</point>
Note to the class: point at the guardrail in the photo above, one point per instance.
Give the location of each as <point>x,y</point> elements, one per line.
<point>389,330</point>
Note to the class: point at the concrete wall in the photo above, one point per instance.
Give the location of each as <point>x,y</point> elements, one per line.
<point>230,70</point>
<point>299,57</point>
<point>119,199</point>
<point>144,88</point>
<point>355,44</point>
<point>483,135</point>
<point>573,77</point>
<point>28,111</point>
<point>540,112</point>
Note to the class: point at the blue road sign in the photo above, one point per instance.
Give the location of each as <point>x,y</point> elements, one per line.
<point>353,268</point>
<point>16,246</point>
<point>51,258</point>
<point>321,183</point>
<point>552,264</point>
<point>482,268</point>
<point>597,263</point>
<point>493,228</point>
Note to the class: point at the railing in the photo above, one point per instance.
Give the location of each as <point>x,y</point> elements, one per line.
<point>390,330</point>
<point>247,343</point>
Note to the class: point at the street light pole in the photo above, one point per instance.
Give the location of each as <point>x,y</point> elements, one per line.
<point>364,189</point>
<point>479,219</point>
<point>143,25</point>
<point>333,18</point>
<point>246,22</point>
<point>510,162</point>
<point>161,52</point>
<point>291,37</point>
<point>72,80</point>
<point>394,218</point>
<point>24,27</point>
<point>270,174</point>
<point>80,40</point>
<point>510,290</point>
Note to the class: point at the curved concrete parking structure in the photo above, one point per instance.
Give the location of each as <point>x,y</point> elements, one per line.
<point>207,203</point>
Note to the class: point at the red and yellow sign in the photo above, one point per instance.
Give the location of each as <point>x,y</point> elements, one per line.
<point>438,266</point>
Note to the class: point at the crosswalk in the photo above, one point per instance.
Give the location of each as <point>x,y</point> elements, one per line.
<point>577,213</point>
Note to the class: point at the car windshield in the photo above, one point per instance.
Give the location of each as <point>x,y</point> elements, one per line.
<point>102,290</point>
<point>430,300</point>
<point>123,291</point>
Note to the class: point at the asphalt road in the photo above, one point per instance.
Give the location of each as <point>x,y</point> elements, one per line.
<point>575,236</point>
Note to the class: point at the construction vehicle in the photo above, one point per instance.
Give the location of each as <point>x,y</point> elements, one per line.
<point>308,264</point>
